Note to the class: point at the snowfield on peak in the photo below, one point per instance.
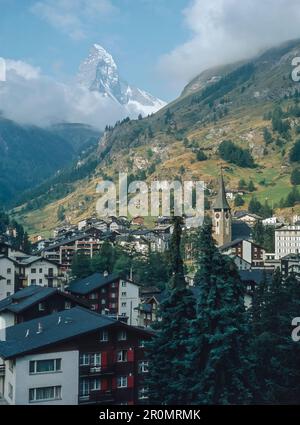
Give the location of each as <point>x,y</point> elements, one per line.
<point>99,73</point>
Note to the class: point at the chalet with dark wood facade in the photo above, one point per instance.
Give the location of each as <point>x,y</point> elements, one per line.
<point>74,357</point>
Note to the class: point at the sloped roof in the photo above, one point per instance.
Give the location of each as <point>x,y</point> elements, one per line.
<point>31,295</point>
<point>221,200</point>
<point>56,328</point>
<point>91,283</point>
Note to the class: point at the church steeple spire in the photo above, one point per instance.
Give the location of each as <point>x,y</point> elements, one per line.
<point>222,215</point>
<point>221,200</point>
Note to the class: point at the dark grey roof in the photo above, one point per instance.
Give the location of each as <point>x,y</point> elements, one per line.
<point>255,275</point>
<point>90,283</point>
<point>292,257</point>
<point>221,202</point>
<point>230,244</point>
<point>240,230</point>
<point>66,241</point>
<point>56,328</point>
<point>29,296</point>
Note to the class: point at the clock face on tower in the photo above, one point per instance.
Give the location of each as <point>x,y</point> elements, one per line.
<point>217,215</point>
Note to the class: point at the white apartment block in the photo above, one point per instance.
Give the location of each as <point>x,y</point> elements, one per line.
<point>129,301</point>
<point>46,379</point>
<point>287,241</point>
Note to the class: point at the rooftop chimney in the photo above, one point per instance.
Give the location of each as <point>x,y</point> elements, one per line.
<point>105,273</point>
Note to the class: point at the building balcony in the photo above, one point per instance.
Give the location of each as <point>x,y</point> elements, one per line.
<point>96,370</point>
<point>98,397</point>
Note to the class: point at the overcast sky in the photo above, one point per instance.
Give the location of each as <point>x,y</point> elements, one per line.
<point>159,45</point>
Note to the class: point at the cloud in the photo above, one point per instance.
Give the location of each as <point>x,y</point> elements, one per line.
<point>73,17</point>
<point>29,97</point>
<point>224,31</point>
<point>22,69</point>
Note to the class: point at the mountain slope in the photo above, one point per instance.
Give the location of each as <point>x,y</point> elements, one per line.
<point>99,73</point>
<point>236,102</point>
<point>29,155</point>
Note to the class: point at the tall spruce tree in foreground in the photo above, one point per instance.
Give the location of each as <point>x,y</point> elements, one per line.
<point>277,355</point>
<point>167,352</point>
<point>221,372</point>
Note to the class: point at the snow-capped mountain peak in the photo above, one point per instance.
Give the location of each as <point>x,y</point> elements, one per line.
<point>99,73</point>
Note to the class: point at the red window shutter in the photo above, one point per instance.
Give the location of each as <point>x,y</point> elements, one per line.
<point>104,385</point>
<point>104,359</point>
<point>130,355</point>
<point>114,383</point>
<point>130,381</point>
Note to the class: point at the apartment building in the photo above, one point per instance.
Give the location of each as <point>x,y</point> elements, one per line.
<point>287,241</point>
<point>109,294</point>
<point>18,270</point>
<point>73,357</point>
<point>246,250</point>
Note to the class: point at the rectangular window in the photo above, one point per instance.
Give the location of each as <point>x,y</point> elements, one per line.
<point>122,356</point>
<point>44,394</point>
<point>8,281</point>
<point>33,271</point>
<point>84,360</point>
<point>113,285</point>
<point>8,271</point>
<point>93,296</point>
<point>33,281</point>
<point>45,366</point>
<point>143,367</point>
<point>122,382</point>
<point>10,391</point>
<point>124,284</point>
<point>122,336</point>
<point>87,385</point>
<point>95,359</point>
<point>40,270</point>
<point>124,304</point>
<point>103,336</point>
<point>124,294</point>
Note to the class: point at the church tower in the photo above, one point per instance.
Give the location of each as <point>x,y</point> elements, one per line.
<point>222,221</point>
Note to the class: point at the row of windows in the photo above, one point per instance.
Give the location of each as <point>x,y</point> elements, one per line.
<point>44,366</point>
<point>45,394</point>
<point>95,296</point>
<point>33,271</point>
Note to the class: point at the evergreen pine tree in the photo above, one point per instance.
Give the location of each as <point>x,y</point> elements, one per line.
<point>218,341</point>
<point>167,352</point>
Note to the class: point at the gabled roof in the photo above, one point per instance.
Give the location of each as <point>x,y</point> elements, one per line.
<point>54,329</point>
<point>91,283</point>
<point>31,295</point>
<point>221,202</point>
<point>230,244</point>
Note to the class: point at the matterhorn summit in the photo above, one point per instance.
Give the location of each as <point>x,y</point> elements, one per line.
<point>99,73</point>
